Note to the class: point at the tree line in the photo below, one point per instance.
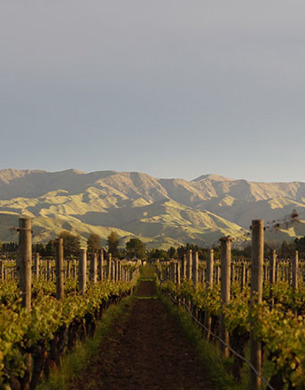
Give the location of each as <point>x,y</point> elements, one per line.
<point>136,248</point>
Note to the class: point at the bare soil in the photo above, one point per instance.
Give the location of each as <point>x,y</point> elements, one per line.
<point>145,349</point>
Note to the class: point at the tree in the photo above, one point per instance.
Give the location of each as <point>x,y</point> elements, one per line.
<point>93,243</point>
<point>136,248</point>
<point>51,249</point>
<point>9,247</point>
<point>172,252</point>
<point>158,254</point>
<point>71,243</point>
<point>113,243</point>
<point>39,248</point>
<point>300,245</point>
<point>287,250</point>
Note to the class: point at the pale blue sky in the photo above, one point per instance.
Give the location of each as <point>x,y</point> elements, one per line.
<point>168,87</point>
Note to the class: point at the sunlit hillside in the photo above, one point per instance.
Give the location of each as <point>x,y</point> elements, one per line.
<point>162,212</point>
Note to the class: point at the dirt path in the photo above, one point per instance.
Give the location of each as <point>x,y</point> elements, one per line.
<point>145,350</point>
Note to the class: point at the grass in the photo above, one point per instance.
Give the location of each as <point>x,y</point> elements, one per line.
<point>217,366</point>
<point>73,363</point>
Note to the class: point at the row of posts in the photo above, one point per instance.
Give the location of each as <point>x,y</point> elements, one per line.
<point>114,269</point>
<point>189,270</point>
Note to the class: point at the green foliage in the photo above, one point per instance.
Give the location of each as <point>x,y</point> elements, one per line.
<point>9,247</point>
<point>172,252</point>
<point>39,248</point>
<point>213,360</point>
<point>93,243</point>
<point>287,250</point>
<point>280,329</point>
<point>157,254</point>
<point>300,245</point>
<point>50,249</point>
<point>113,244</point>
<point>202,252</point>
<point>135,248</point>
<point>71,244</point>
<point>73,363</point>
<point>20,331</point>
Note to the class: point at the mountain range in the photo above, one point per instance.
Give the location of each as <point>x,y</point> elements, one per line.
<point>161,212</point>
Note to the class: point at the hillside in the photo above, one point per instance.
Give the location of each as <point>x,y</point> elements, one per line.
<point>162,212</point>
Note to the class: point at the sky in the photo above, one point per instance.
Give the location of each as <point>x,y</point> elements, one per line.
<point>172,88</point>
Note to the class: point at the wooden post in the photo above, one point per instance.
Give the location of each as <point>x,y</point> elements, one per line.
<point>184,266</point>
<point>171,269</point>
<point>76,268</point>
<point>82,271</point>
<point>264,272</point>
<point>217,273</point>
<point>60,269</point>
<point>69,266</point>
<point>210,269</point>
<point>109,266</point>
<point>116,270</point>
<point>272,268</point>
<point>101,264</point>
<point>24,261</point>
<point>37,265</point>
<point>272,274</point>
<point>93,268</point>
<point>1,271</point>
<point>123,272</point>
<point>178,275</point>
<point>232,272</point>
<point>209,284</point>
<point>119,270</point>
<point>243,275</point>
<point>256,297</point>
<point>113,270</point>
<point>225,243</point>
<point>189,264</point>
<point>48,270</point>
<point>195,267</point>
<point>295,266</point>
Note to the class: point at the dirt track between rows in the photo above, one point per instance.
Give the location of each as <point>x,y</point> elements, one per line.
<point>145,349</point>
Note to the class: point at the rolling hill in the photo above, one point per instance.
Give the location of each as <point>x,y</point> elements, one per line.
<point>162,212</point>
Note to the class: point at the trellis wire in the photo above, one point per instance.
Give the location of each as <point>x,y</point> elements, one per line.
<point>225,344</point>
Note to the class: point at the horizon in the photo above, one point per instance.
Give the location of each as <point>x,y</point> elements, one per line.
<point>157,177</point>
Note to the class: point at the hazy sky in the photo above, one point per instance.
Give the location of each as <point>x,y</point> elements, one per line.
<point>168,87</point>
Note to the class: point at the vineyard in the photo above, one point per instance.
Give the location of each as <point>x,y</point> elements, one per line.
<point>253,310</point>
<point>43,317</point>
